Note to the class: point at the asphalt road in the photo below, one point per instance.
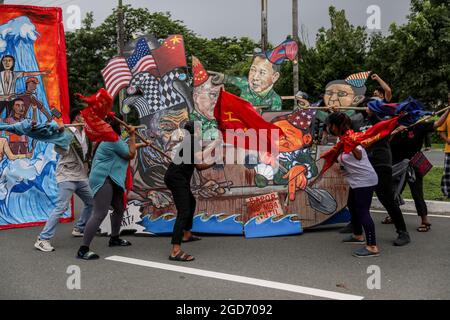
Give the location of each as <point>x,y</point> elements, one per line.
<point>436,157</point>
<point>315,259</point>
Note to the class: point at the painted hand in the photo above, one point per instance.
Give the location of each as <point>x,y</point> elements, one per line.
<point>159,199</point>
<point>297,180</point>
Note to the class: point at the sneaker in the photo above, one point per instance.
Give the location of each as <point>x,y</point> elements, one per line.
<point>347,229</point>
<point>43,245</point>
<point>77,233</point>
<point>119,243</point>
<point>403,239</point>
<point>364,253</point>
<point>352,240</point>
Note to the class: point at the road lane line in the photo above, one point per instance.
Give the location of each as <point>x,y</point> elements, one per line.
<point>413,214</point>
<point>239,279</point>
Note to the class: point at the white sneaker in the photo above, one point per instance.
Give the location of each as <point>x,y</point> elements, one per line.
<point>43,245</point>
<point>77,233</point>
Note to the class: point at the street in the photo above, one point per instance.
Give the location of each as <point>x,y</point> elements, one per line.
<point>276,268</point>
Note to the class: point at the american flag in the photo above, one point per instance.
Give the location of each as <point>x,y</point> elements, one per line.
<point>358,80</point>
<point>141,60</point>
<point>117,75</point>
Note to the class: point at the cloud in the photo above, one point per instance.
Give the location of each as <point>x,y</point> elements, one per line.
<point>20,27</point>
<point>2,45</point>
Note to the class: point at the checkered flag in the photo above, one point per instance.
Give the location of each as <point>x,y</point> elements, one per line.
<point>169,96</point>
<point>149,87</point>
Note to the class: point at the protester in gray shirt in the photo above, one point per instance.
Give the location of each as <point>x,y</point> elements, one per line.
<point>72,177</point>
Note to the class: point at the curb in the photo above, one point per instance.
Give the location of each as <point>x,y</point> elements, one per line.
<point>434,207</point>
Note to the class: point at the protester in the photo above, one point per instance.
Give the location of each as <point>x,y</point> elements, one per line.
<point>72,177</point>
<point>108,183</point>
<point>363,180</point>
<point>380,156</point>
<point>178,180</point>
<point>444,131</point>
<point>383,92</point>
<point>405,144</point>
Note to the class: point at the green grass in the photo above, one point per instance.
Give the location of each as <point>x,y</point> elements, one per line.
<point>431,185</point>
<point>438,146</point>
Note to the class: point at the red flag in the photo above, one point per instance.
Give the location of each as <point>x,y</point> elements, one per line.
<point>233,113</point>
<point>96,128</point>
<point>170,55</point>
<point>101,103</point>
<point>350,140</point>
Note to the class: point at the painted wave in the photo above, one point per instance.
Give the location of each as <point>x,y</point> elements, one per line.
<point>272,228</point>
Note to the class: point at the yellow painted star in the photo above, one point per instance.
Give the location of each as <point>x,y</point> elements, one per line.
<point>175,40</point>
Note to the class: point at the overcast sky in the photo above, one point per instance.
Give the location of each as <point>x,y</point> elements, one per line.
<point>213,18</point>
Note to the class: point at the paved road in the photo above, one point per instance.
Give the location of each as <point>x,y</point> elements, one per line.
<point>316,259</point>
<point>436,157</point>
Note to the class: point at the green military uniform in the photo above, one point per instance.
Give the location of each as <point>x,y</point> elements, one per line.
<point>271,99</point>
<point>209,126</point>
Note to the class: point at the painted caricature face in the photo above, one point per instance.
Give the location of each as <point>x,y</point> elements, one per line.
<point>170,127</point>
<point>294,139</point>
<point>262,77</point>
<point>339,95</point>
<point>19,109</point>
<point>205,98</point>
<point>8,63</point>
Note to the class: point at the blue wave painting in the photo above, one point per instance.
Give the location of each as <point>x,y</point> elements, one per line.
<point>217,224</point>
<point>270,228</point>
<point>163,225</point>
<point>28,189</point>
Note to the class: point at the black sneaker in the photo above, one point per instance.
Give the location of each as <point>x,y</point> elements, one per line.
<point>403,239</point>
<point>347,229</point>
<point>119,243</point>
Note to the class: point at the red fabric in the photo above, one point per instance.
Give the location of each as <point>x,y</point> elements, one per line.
<point>350,140</point>
<point>234,113</point>
<point>170,55</point>
<point>128,185</point>
<point>101,103</point>
<point>199,71</point>
<point>96,128</point>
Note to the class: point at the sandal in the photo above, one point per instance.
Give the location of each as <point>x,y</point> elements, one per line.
<point>387,220</point>
<point>424,227</point>
<point>87,256</point>
<point>182,257</point>
<point>191,239</point>
<point>119,243</point>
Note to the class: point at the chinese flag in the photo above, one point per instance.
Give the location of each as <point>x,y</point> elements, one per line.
<point>170,55</point>
<point>233,113</point>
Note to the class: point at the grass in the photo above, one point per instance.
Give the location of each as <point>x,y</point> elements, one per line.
<point>437,146</point>
<point>431,186</point>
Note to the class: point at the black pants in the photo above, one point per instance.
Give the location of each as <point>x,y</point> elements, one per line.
<point>385,194</point>
<point>185,203</point>
<point>417,194</point>
<point>109,195</point>
<point>359,202</point>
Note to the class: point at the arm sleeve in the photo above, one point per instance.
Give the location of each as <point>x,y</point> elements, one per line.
<point>277,104</point>
<point>121,149</point>
<point>239,82</point>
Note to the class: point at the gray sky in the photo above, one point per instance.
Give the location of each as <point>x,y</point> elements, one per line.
<point>213,18</point>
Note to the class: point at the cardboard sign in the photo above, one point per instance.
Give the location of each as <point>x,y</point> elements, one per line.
<point>264,207</point>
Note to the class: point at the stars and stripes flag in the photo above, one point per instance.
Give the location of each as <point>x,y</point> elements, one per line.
<point>358,79</point>
<point>141,60</point>
<point>117,75</point>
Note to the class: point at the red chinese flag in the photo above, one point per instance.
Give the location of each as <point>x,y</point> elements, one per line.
<point>170,55</point>
<point>233,113</point>
<point>96,128</point>
<point>100,103</point>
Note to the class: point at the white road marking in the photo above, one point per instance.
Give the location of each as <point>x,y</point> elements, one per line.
<point>413,214</point>
<point>239,279</point>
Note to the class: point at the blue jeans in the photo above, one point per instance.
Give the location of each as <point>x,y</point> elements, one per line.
<point>66,191</point>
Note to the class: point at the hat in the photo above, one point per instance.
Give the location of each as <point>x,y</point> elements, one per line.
<point>287,50</point>
<point>32,79</point>
<point>358,80</point>
<point>200,73</point>
<point>301,119</point>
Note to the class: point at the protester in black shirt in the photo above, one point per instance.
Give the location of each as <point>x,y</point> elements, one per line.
<point>405,144</point>
<point>178,180</point>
